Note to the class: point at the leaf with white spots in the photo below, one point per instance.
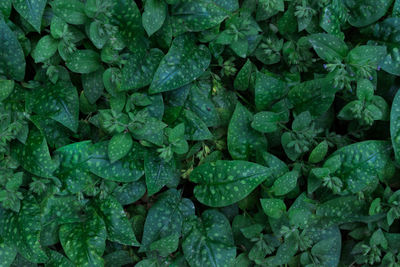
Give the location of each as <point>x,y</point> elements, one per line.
<point>59,102</point>
<point>45,49</point>
<point>199,15</point>
<point>119,146</point>
<point>273,207</point>
<point>5,8</point>
<point>243,140</point>
<point>362,164</point>
<point>243,78</point>
<point>34,156</point>
<point>12,59</point>
<point>159,172</point>
<point>155,12</point>
<point>7,253</point>
<point>195,128</point>
<point>363,13</point>
<point>93,85</point>
<point>84,243</point>
<point>130,192</point>
<point>268,90</point>
<point>58,260</point>
<point>165,218</point>
<point>60,210</point>
<point>395,126</point>
<point>223,183</point>
<point>6,88</point>
<point>23,229</point>
<point>31,10</point>
<point>208,240</point>
<point>329,47</point>
<point>83,61</point>
<point>119,229</point>
<point>72,11</point>
<point>367,55</point>
<point>139,70</point>
<point>184,62</point>
<point>285,183</point>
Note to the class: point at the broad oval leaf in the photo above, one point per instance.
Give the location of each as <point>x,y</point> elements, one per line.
<point>84,61</point>
<point>72,11</point>
<point>223,183</point>
<point>31,10</point>
<point>45,49</point>
<point>363,13</point>
<point>208,241</point>
<point>84,243</point>
<point>184,62</point>
<point>395,126</point>
<point>12,59</point>
<point>329,47</point>
<point>119,146</point>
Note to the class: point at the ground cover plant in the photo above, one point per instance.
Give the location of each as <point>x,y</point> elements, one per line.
<point>199,133</point>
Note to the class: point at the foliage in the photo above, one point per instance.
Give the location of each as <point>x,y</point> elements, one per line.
<point>199,133</point>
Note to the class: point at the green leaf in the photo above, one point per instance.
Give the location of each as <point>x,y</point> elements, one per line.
<point>165,218</point>
<point>266,122</point>
<point>243,78</point>
<point>93,86</point>
<point>367,55</point>
<point>243,140</point>
<point>184,62</point>
<point>119,229</point>
<point>273,207</point>
<point>139,70</point>
<point>72,11</point>
<point>199,15</point>
<point>159,172</point>
<point>83,61</point>
<point>363,13</point>
<point>223,183</point>
<point>130,192</point>
<point>119,146</point>
<point>57,260</point>
<point>395,126</point>
<point>31,10</point>
<point>84,243</point>
<point>154,15</point>
<point>35,157</point>
<point>268,90</point>
<point>45,49</point>
<point>23,229</point>
<point>195,128</point>
<point>5,8</point>
<point>329,47</point>
<point>362,164</point>
<point>12,59</point>
<point>6,88</point>
<point>319,152</point>
<point>285,183</point>
<point>7,253</point>
<point>57,101</point>
<point>208,240</point>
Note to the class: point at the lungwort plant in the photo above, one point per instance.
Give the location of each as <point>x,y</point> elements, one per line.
<point>221,133</point>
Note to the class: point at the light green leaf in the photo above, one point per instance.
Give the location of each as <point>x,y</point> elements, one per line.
<point>208,241</point>
<point>367,55</point>
<point>119,229</point>
<point>12,59</point>
<point>119,146</point>
<point>72,11</point>
<point>319,152</point>
<point>184,62</point>
<point>84,243</point>
<point>31,10</point>
<point>284,184</point>
<point>273,207</point>
<point>223,183</point>
<point>266,122</point>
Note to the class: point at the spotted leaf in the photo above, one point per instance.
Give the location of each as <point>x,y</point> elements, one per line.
<point>223,183</point>
<point>363,13</point>
<point>83,61</point>
<point>84,243</point>
<point>12,60</point>
<point>31,10</point>
<point>208,240</point>
<point>329,47</point>
<point>155,12</point>
<point>243,140</point>
<point>7,253</point>
<point>395,126</point>
<point>23,229</point>
<point>184,62</point>
<point>140,68</point>
<point>119,146</point>
<point>72,11</point>
<point>165,218</point>
<point>57,101</point>
<point>119,229</point>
